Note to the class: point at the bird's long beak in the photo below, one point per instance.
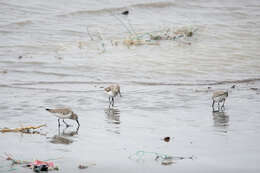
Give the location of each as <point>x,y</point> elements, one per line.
<point>78,122</point>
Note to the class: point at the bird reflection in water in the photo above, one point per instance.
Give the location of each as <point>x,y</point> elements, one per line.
<point>113,120</point>
<point>64,137</point>
<point>221,120</point>
<point>113,115</point>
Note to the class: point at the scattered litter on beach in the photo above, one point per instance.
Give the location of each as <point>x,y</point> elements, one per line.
<point>14,161</point>
<point>99,43</point>
<point>39,166</point>
<point>36,165</point>
<point>168,161</point>
<point>163,158</point>
<point>28,129</point>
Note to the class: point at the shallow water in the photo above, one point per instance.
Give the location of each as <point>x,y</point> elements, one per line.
<point>164,87</point>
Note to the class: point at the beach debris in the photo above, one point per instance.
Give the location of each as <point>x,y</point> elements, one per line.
<point>167,139</point>
<point>28,129</point>
<point>14,161</point>
<point>233,86</point>
<point>37,165</point>
<point>82,166</point>
<point>153,38</point>
<point>181,35</point>
<point>163,158</point>
<point>255,89</point>
<point>167,161</point>
<point>20,57</point>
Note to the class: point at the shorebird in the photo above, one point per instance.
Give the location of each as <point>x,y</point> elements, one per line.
<point>64,113</point>
<point>112,91</point>
<point>219,96</point>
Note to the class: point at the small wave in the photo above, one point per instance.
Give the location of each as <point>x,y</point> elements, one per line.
<point>61,82</point>
<point>154,5</point>
<point>19,24</point>
<point>48,89</point>
<point>200,84</point>
<point>140,83</point>
<point>92,12</point>
<point>43,73</point>
<point>111,10</point>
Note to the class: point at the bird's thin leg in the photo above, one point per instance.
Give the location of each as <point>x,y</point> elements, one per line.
<point>223,103</point>
<point>58,122</point>
<point>109,101</point>
<point>113,101</point>
<point>67,125</point>
<point>77,130</point>
<point>213,104</point>
<point>78,122</point>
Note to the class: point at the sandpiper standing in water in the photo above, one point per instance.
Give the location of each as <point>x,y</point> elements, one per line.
<point>219,96</point>
<point>112,91</point>
<point>64,113</point>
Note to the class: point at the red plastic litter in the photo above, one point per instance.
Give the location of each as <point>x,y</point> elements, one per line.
<point>38,163</point>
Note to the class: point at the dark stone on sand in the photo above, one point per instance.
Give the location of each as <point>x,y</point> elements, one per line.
<point>167,139</point>
<point>125,12</point>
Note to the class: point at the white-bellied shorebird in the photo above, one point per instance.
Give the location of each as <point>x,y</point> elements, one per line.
<point>64,113</point>
<point>112,91</point>
<point>219,96</point>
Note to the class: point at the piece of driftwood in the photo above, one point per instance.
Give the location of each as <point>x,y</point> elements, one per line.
<point>22,129</point>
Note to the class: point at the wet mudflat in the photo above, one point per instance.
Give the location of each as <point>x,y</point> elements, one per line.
<point>48,60</point>
<point>107,137</point>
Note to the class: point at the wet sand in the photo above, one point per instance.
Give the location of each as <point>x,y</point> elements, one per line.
<point>219,141</point>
